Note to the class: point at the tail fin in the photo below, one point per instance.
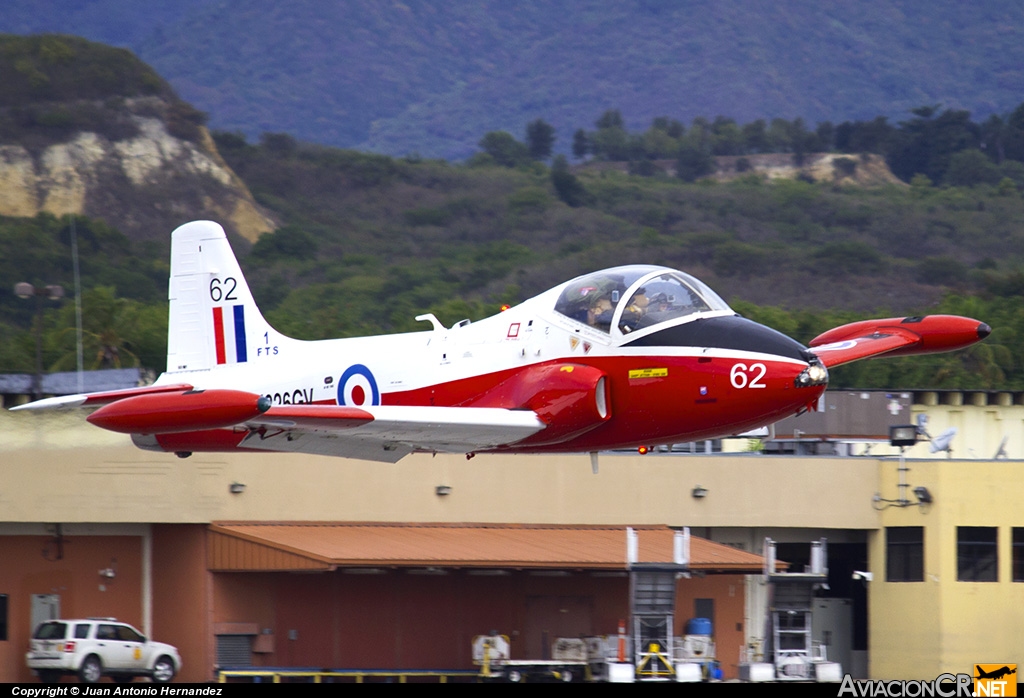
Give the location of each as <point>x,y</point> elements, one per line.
<point>213,319</point>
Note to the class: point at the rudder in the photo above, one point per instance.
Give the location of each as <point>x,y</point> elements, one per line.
<point>213,319</point>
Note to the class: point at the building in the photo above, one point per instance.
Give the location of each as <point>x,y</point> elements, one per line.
<point>195,553</point>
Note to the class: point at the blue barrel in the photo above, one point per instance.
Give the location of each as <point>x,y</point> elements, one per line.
<point>698,626</point>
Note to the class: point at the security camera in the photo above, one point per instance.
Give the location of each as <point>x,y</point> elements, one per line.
<point>865,576</point>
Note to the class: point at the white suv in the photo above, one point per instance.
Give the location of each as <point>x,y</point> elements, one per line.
<point>95,647</point>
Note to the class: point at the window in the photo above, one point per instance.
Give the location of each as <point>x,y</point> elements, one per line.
<point>904,554</point>
<point>977,556</point>
<point>1018,554</point>
<point>51,631</point>
<point>126,634</point>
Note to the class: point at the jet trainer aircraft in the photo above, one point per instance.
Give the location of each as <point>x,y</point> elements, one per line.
<point>625,357</point>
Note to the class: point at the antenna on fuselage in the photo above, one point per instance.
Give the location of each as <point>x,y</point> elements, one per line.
<point>429,317</point>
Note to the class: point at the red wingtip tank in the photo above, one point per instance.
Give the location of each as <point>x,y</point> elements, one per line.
<point>167,413</point>
<point>935,333</point>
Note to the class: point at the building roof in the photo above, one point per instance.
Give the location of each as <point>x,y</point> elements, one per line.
<point>237,546</point>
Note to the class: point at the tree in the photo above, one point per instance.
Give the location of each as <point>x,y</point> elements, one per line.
<point>116,332</point>
<point>279,144</point>
<point>726,137</point>
<point>611,143</point>
<point>672,127</point>
<point>970,167</point>
<point>826,136</point>
<point>864,136</point>
<point>612,118</point>
<point>780,136</point>
<point>926,144</point>
<point>580,144</point>
<point>540,138</point>
<point>289,241</point>
<point>1013,135</point>
<point>658,144</point>
<point>801,141</point>
<point>694,161</point>
<point>755,137</point>
<point>993,133</point>
<point>504,148</point>
<point>567,186</point>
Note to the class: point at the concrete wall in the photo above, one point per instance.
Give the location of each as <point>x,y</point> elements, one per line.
<point>74,472</point>
<point>182,589</point>
<point>921,629</point>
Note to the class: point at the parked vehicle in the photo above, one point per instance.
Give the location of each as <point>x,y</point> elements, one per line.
<point>95,647</point>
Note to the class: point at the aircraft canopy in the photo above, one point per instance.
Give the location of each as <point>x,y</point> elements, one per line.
<point>635,297</point>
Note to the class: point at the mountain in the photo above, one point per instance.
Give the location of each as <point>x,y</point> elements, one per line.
<point>432,77</point>
<point>90,130</point>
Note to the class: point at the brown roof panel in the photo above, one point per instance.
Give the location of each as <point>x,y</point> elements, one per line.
<point>294,545</point>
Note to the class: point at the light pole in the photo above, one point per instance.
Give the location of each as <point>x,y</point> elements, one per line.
<point>54,293</point>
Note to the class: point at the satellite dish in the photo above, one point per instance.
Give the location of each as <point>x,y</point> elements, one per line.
<point>943,441</point>
<point>922,425</point>
<point>1001,451</point>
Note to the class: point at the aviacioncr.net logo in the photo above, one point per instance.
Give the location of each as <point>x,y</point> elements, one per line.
<point>944,686</point>
<point>995,680</point>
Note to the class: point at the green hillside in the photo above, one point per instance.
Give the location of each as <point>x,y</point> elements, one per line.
<point>55,86</point>
<point>368,242</point>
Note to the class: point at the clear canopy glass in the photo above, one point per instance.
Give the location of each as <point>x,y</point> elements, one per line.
<point>635,297</point>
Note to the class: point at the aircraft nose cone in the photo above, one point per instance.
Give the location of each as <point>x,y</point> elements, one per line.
<point>983,330</point>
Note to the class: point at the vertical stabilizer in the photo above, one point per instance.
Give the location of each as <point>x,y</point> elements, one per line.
<point>213,318</point>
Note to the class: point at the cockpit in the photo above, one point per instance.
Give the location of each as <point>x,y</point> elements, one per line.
<point>634,298</point>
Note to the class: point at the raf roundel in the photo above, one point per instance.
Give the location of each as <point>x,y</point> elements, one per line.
<point>357,387</point>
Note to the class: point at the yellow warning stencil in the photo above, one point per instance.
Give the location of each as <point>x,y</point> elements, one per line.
<point>648,373</point>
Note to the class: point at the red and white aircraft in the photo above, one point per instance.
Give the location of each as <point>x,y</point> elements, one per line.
<point>630,356</point>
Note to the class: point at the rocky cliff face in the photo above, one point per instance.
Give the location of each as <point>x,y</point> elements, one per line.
<point>837,168</point>
<point>144,185</point>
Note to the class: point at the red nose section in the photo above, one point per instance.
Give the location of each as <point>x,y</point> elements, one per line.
<point>176,412</point>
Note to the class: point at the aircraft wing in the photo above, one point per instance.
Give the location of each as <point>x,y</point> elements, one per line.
<point>186,420</point>
<point>387,432</point>
<point>927,334</point>
<point>87,400</point>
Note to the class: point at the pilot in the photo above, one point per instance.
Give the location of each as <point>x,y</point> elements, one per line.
<point>634,312</point>
<point>600,313</point>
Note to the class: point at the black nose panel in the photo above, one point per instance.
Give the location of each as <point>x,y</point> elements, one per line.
<point>732,332</point>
